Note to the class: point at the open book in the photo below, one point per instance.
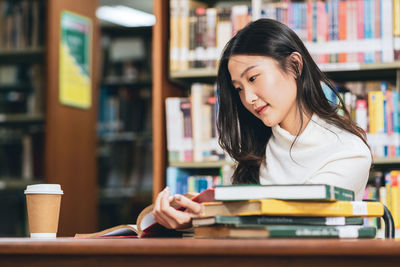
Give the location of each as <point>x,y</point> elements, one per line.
<point>146,226</point>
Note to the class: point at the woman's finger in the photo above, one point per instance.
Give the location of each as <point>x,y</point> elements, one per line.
<point>157,211</point>
<point>191,206</point>
<point>178,219</point>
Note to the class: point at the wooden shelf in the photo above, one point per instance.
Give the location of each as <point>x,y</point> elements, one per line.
<point>194,73</point>
<point>125,137</point>
<point>339,67</point>
<point>132,84</point>
<point>21,87</point>
<point>21,55</point>
<point>206,164</point>
<point>16,183</point>
<point>336,71</point>
<point>389,160</point>
<point>121,192</point>
<point>21,119</point>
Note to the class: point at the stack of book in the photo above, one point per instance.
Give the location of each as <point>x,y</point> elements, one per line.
<point>265,211</point>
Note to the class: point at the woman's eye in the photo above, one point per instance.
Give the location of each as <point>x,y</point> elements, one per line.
<point>252,78</point>
<point>238,89</point>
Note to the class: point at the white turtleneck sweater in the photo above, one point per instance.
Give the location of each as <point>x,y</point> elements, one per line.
<point>322,154</point>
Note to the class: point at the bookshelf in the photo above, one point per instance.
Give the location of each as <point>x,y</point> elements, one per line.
<point>22,113</point>
<point>53,143</point>
<point>124,132</point>
<point>168,82</point>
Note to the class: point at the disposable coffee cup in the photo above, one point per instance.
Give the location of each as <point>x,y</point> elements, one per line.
<point>43,203</point>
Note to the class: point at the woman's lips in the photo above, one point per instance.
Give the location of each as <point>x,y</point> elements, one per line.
<point>261,109</point>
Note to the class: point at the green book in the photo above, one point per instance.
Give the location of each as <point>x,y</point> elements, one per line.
<point>315,192</point>
<point>348,231</point>
<point>274,220</point>
<point>285,231</point>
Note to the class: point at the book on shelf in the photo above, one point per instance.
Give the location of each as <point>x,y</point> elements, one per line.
<point>275,220</point>
<point>198,33</point>
<point>284,231</point>
<point>181,13</point>
<point>351,31</point>
<point>191,126</point>
<point>293,208</point>
<point>374,106</point>
<point>146,226</point>
<point>202,121</point>
<point>123,110</point>
<point>317,192</point>
<point>182,180</point>
<point>21,22</point>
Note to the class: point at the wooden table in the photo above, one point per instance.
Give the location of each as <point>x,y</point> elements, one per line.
<point>198,252</point>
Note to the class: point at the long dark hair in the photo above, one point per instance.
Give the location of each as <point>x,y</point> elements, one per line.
<point>243,136</point>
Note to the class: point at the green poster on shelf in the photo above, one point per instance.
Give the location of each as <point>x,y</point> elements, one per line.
<point>75,59</point>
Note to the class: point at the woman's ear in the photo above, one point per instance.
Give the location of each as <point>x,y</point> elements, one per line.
<point>296,61</point>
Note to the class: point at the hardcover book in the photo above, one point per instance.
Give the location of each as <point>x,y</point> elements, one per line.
<point>318,192</point>
<point>275,220</point>
<point>293,208</point>
<point>285,231</point>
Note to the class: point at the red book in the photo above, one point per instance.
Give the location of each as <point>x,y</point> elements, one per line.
<point>360,26</point>
<point>342,28</point>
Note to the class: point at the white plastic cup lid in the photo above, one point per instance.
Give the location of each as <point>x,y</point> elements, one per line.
<point>44,189</point>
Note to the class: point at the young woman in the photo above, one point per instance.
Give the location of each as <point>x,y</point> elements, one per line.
<point>276,122</point>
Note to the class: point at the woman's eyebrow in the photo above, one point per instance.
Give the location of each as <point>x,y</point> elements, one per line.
<point>245,71</point>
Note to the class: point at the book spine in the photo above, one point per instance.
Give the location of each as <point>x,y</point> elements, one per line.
<point>175,131</point>
<point>201,29</point>
<point>174,35</point>
<point>396,29</point>
<point>201,120</point>
<point>183,37</point>
<point>192,38</point>
<point>396,125</point>
<point>276,220</point>
<point>395,198</point>
<point>211,42</point>
<point>315,231</point>
<point>387,30</point>
<point>224,29</point>
<point>187,144</point>
<point>342,27</point>
<point>289,208</point>
<point>360,26</point>
<point>340,193</point>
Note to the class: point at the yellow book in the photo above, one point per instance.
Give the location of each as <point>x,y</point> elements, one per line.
<point>396,17</point>
<point>293,208</point>
<point>174,35</point>
<point>375,110</point>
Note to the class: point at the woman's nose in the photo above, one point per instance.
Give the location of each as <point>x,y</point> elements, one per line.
<point>250,96</point>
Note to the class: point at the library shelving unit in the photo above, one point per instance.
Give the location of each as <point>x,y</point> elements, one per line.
<point>124,125</point>
<point>22,118</point>
<point>41,139</point>
<point>167,83</point>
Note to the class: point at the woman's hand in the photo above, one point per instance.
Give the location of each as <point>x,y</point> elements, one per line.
<point>171,218</point>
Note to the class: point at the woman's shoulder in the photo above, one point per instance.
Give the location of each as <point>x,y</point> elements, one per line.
<point>340,138</point>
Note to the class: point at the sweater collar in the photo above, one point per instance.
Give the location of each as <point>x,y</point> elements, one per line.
<point>283,137</point>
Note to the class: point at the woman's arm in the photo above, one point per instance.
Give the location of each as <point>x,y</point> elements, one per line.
<point>347,171</point>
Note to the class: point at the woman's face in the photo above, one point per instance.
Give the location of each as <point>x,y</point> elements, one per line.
<point>265,90</point>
